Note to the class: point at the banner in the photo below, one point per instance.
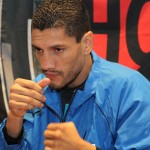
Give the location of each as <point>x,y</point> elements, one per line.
<point>121,33</point>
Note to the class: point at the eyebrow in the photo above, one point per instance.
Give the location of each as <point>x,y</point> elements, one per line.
<point>58,45</point>
<point>35,46</point>
<point>52,46</point>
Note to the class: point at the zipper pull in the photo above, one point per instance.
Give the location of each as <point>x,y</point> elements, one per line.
<point>66,108</point>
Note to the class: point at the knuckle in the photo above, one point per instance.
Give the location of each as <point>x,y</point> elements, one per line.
<point>10,104</point>
<point>15,88</point>
<point>18,80</point>
<point>12,88</point>
<point>71,124</point>
<point>48,143</point>
<point>11,95</point>
<point>32,92</point>
<point>58,134</point>
<point>30,100</point>
<point>45,133</point>
<point>33,84</point>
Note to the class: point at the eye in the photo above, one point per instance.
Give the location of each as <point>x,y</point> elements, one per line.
<point>36,49</point>
<point>58,50</point>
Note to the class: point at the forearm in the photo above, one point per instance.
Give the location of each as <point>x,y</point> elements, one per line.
<point>14,125</point>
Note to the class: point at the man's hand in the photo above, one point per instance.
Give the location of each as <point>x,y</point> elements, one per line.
<point>64,136</point>
<point>26,95</point>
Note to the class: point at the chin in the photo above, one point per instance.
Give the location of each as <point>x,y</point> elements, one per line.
<point>59,86</point>
<point>56,87</point>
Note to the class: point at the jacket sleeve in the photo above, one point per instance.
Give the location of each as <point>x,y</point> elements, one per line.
<point>132,116</point>
<point>3,143</point>
<point>97,148</point>
<point>22,145</point>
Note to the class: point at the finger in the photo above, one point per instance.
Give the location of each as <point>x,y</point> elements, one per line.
<point>60,126</point>
<point>26,99</point>
<point>29,84</point>
<point>17,89</point>
<point>43,83</point>
<point>50,144</point>
<point>55,126</point>
<point>47,148</point>
<point>20,105</point>
<point>49,134</point>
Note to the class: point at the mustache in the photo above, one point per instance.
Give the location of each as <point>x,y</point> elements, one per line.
<point>50,71</point>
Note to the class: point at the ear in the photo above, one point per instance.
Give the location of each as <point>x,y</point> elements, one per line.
<point>87,42</point>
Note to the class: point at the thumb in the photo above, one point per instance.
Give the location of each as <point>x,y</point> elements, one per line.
<point>43,83</point>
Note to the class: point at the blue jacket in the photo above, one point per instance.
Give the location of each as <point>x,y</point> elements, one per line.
<point>112,112</point>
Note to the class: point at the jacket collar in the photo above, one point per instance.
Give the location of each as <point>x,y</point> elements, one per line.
<point>90,84</point>
<point>53,97</point>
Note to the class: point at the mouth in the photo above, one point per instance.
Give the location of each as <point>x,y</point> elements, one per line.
<point>51,74</point>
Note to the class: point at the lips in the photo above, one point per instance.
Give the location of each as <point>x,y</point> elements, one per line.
<point>51,75</point>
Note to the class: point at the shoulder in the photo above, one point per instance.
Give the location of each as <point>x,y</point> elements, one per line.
<point>119,86</point>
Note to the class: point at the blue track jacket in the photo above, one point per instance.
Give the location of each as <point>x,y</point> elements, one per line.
<point>112,111</point>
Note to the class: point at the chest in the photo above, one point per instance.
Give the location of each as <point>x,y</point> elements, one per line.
<point>88,119</point>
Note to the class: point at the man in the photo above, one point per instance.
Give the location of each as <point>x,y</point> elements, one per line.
<point>80,101</point>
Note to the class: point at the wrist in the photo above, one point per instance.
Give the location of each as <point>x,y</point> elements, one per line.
<point>14,124</point>
<point>84,145</point>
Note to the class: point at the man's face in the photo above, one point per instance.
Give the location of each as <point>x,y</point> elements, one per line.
<point>62,59</point>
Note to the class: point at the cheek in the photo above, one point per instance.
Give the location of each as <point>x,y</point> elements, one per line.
<point>73,65</point>
<point>38,58</point>
<point>39,61</point>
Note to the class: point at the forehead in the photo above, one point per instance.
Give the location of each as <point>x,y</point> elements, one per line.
<point>51,35</point>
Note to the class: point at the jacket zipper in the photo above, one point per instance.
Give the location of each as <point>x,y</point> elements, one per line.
<point>64,117</point>
<point>53,111</point>
<point>61,119</point>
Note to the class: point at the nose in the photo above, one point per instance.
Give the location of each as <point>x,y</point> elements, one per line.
<point>47,60</point>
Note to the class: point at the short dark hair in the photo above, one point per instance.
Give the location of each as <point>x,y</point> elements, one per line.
<point>68,14</point>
